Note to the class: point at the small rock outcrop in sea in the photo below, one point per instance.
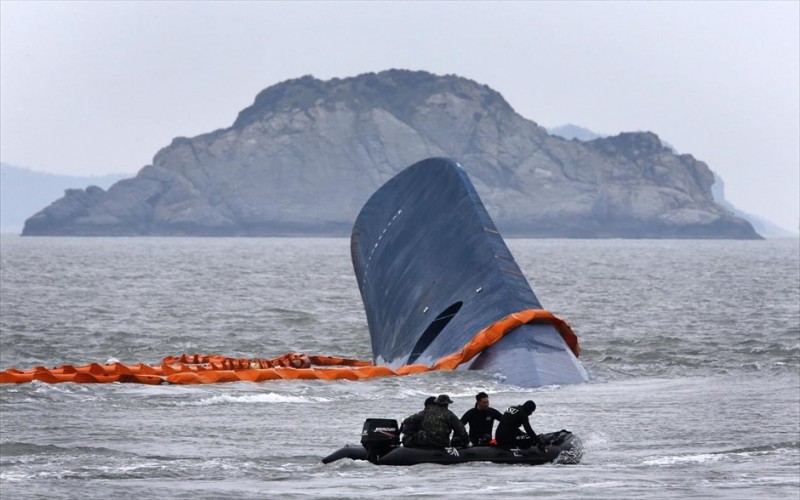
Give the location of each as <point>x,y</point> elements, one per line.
<point>307,154</point>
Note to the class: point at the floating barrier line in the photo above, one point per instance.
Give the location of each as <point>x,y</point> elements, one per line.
<point>213,369</point>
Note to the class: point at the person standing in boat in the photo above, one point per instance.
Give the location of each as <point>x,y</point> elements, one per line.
<point>434,425</point>
<point>481,420</point>
<point>509,434</point>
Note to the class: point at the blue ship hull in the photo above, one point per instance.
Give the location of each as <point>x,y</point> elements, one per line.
<point>433,271</point>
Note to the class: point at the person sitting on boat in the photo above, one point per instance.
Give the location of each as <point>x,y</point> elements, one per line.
<point>409,428</point>
<point>481,420</point>
<point>434,425</point>
<point>509,434</point>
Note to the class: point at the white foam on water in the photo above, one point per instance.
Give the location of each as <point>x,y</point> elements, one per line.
<point>14,477</point>
<point>601,484</point>
<point>684,459</point>
<point>270,397</point>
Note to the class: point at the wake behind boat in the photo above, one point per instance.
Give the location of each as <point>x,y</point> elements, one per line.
<point>380,445</point>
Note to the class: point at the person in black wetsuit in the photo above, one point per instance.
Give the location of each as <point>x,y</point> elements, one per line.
<point>481,420</point>
<point>509,434</point>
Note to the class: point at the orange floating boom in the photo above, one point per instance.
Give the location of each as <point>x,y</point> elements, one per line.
<point>213,369</point>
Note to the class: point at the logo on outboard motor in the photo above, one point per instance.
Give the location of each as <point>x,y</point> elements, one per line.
<point>380,432</point>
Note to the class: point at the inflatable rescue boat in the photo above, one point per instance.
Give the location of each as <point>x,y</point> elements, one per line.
<point>380,444</point>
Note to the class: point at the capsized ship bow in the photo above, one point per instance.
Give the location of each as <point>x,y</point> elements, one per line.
<point>433,271</point>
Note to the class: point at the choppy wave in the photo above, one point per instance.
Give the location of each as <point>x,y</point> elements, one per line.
<point>693,352</point>
<point>16,448</point>
<point>740,454</point>
<point>229,399</point>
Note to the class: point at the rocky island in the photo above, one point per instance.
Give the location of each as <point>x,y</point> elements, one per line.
<point>307,154</point>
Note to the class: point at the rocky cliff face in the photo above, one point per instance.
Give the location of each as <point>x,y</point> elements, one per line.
<point>308,153</point>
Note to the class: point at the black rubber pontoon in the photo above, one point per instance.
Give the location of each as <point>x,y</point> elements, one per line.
<point>561,447</point>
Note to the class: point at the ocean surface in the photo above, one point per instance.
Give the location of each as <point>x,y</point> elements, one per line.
<point>692,347</point>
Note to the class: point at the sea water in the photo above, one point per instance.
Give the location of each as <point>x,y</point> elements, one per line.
<point>692,347</point>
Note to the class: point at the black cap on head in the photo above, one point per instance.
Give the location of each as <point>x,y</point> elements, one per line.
<point>443,399</point>
<point>480,396</point>
<point>430,401</point>
<point>529,407</point>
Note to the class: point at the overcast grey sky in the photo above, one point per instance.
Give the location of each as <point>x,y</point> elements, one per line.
<point>99,87</point>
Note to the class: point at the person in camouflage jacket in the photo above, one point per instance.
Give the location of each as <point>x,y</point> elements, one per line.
<point>433,426</point>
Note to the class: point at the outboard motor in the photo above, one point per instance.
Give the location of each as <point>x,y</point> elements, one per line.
<point>379,436</point>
